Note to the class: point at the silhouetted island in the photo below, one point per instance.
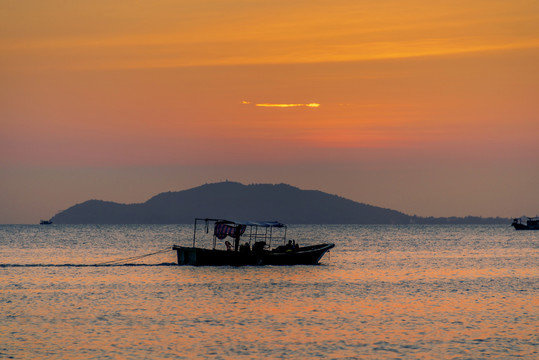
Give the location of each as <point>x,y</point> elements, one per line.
<point>232,200</point>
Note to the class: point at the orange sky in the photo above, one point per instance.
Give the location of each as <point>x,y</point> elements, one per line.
<point>425,107</point>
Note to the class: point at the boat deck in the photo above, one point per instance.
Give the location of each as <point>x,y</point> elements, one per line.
<point>309,255</point>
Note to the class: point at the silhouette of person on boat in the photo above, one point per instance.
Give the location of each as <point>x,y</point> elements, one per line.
<point>291,246</point>
<point>245,248</point>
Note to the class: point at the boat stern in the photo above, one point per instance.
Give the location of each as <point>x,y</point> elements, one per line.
<point>186,255</point>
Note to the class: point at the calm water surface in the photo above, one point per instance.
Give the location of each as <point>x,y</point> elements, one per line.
<point>384,292</point>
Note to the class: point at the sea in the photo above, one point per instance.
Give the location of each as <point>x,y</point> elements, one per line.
<point>383,292</point>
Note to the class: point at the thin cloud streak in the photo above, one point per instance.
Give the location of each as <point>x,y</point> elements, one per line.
<point>314,105</point>
<point>293,33</point>
<point>311,105</point>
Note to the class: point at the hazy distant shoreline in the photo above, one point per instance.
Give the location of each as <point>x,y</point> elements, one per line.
<point>236,201</point>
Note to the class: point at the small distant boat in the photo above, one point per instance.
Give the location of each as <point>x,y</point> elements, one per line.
<point>260,235</point>
<point>531,223</point>
<point>45,222</point>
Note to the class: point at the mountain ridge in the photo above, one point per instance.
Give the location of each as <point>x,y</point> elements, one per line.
<point>236,201</point>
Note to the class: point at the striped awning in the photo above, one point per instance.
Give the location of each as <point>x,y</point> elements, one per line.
<point>222,230</point>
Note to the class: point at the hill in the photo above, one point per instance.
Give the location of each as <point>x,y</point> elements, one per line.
<point>235,201</point>
<point>232,200</point>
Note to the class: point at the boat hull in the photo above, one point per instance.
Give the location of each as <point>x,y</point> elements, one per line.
<point>309,255</point>
<point>531,224</point>
<point>525,227</point>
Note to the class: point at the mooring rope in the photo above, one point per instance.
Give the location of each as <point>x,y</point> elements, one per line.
<point>133,258</point>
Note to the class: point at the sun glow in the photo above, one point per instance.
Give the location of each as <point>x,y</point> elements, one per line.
<point>312,105</point>
<point>410,87</point>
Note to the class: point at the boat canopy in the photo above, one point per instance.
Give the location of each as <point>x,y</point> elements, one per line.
<point>246,223</point>
<point>262,223</point>
<point>223,228</point>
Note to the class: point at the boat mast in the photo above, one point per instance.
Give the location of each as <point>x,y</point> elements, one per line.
<point>195,232</point>
<point>236,238</point>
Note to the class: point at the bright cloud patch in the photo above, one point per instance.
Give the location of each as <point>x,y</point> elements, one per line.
<point>313,105</point>
<point>288,105</point>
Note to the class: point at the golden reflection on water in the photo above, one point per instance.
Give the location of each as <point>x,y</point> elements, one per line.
<point>445,303</point>
<point>168,311</point>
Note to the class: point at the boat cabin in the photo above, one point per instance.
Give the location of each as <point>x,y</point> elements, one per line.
<point>253,233</point>
<point>252,245</point>
<point>531,223</point>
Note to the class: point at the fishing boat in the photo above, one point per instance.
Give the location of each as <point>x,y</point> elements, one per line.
<point>252,245</point>
<point>531,223</point>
